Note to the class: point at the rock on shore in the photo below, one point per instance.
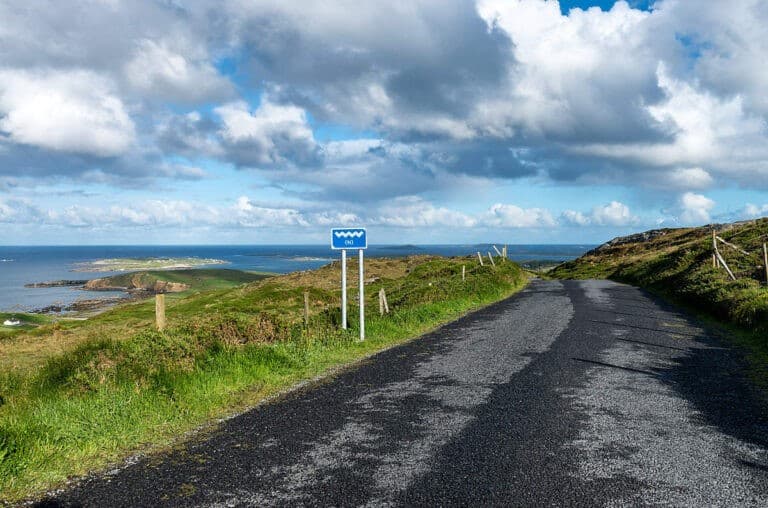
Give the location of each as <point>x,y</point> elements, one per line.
<point>136,283</point>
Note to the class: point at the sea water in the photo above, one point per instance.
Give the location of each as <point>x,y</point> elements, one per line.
<point>25,265</point>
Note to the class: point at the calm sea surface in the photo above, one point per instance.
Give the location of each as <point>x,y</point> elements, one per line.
<point>24,265</point>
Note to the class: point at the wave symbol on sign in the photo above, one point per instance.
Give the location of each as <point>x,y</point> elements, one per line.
<point>348,234</point>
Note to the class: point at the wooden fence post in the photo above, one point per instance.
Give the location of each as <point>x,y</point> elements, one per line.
<point>463,273</point>
<point>725,265</point>
<point>383,305</point>
<point>306,309</point>
<point>160,311</point>
<point>765,261</point>
<point>480,258</point>
<point>497,251</point>
<point>714,249</point>
<point>491,258</point>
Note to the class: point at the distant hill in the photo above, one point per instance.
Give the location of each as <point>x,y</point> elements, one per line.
<point>679,263</point>
<point>174,281</point>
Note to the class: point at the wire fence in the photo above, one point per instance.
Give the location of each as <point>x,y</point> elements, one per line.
<point>737,262</point>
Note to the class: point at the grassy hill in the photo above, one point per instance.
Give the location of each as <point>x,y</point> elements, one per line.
<point>196,279</point>
<point>77,395</point>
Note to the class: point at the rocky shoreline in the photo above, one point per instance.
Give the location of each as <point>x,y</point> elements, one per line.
<point>87,305</point>
<point>56,284</point>
<point>136,288</point>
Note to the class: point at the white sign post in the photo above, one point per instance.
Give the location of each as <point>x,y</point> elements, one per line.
<point>344,289</point>
<point>362,298</point>
<point>343,239</point>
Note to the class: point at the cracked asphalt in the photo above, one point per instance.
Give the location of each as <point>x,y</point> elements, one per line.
<point>572,393</point>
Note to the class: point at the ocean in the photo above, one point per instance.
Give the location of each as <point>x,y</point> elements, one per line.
<point>25,265</point>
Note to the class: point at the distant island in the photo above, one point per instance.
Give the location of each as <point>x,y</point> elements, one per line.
<point>135,264</point>
<point>56,283</point>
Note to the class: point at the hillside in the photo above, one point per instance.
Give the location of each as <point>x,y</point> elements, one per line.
<point>76,395</point>
<point>174,281</point>
<point>678,263</point>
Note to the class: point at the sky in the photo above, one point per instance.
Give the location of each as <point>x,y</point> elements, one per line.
<point>426,121</point>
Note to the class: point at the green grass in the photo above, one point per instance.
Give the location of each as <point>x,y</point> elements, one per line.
<point>224,350</point>
<point>28,322</point>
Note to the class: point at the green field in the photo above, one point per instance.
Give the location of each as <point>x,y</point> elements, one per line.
<point>79,395</point>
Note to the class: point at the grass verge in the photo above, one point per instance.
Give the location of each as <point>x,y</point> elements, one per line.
<point>113,393</point>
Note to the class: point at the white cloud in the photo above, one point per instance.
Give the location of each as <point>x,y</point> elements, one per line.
<point>243,214</point>
<point>350,150</point>
<point>18,211</point>
<point>695,208</point>
<point>577,76</point>
<point>6,212</point>
<point>251,215</point>
<point>157,69</point>
<point>689,178</point>
<point>730,44</point>
<point>411,212</point>
<point>512,216</point>
<point>273,134</point>
<point>71,111</point>
<point>706,130</point>
<point>576,218</point>
<point>754,211</point>
<point>614,213</point>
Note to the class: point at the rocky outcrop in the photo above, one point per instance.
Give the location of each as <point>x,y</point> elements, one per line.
<point>137,282</point>
<point>162,286</point>
<point>646,236</point>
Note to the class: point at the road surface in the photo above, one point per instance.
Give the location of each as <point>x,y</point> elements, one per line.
<point>569,393</point>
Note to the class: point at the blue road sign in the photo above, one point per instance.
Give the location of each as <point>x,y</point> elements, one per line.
<point>348,238</point>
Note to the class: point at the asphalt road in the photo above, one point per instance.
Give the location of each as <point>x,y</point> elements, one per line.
<point>569,393</point>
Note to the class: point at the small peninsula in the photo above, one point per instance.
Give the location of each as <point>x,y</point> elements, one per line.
<point>137,264</point>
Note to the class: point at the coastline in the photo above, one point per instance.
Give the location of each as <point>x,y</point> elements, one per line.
<point>132,291</point>
<point>41,279</point>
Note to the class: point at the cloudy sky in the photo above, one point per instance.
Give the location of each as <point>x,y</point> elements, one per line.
<point>429,121</point>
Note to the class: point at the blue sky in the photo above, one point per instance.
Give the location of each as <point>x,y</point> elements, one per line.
<point>517,121</point>
<point>606,5</point>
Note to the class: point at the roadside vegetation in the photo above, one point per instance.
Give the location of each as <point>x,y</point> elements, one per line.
<point>76,396</point>
<point>677,264</point>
